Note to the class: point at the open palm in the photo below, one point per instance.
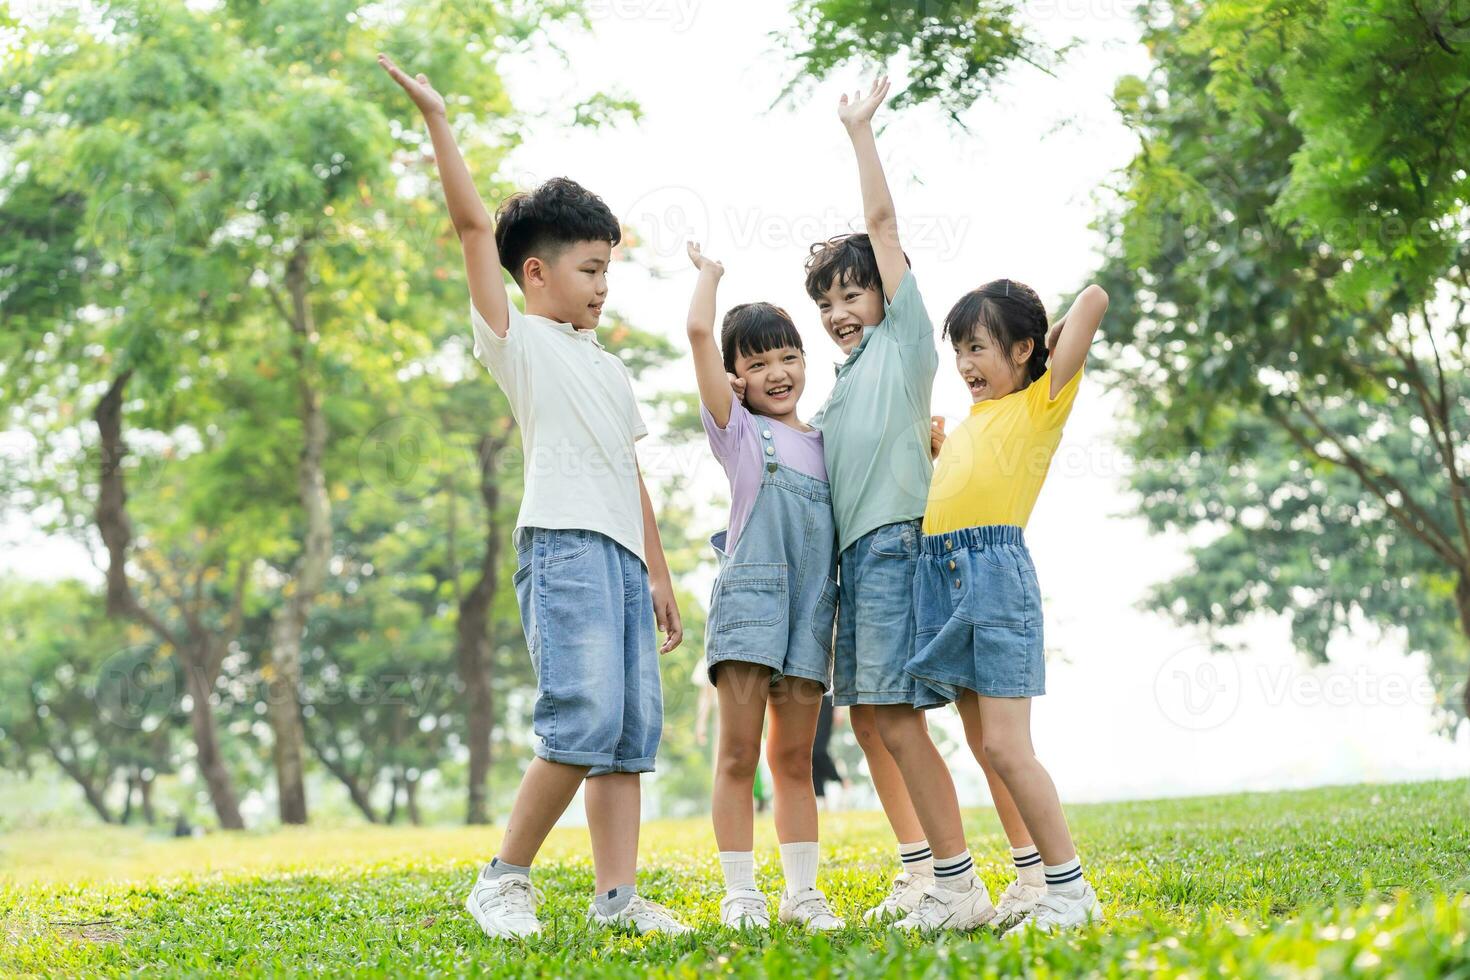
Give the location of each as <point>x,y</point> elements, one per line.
<point>418,88</point>
<point>860,108</point>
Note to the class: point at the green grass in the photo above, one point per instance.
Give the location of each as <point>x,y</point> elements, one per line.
<point>1364,880</point>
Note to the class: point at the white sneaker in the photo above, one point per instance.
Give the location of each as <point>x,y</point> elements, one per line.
<point>1054,912</point>
<point>944,909</point>
<point>745,908</point>
<point>505,907</point>
<point>905,895</point>
<point>641,915</point>
<point>809,909</point>
<point>1016,902</point>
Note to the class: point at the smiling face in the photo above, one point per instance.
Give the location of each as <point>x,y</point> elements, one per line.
<point>571,285</point>
<point>774,380</point>
<point>988,370</point>
<point>846,308</point>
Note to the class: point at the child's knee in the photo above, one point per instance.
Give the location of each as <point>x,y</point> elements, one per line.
<point>739,757</point>
<point>900,732</point>
<point>1005,755</point>
<point>790,763</point>
<point>865,730</point>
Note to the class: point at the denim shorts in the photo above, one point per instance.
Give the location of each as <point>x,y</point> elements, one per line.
<point>875,617</point>
<point>979,617</point>
<point>587,613</point>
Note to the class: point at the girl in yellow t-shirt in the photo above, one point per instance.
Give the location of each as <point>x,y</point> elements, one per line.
<point>978,607</point>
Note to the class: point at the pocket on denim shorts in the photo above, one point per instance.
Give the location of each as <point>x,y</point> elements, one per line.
<point>899,540</point>
<point>750,594</point>
<point>1001,590</point>
<point>824,619</point>
<point>565,545</point>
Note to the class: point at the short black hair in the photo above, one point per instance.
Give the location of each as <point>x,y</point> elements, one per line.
<point>845,258</point>
<point>754,328</point>
<point>1009,312</point>
<point>544,221</point>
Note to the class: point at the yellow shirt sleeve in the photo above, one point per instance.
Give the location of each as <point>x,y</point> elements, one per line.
<point>1048,412</point>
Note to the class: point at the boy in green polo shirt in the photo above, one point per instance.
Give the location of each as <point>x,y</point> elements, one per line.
<point>876,427</point>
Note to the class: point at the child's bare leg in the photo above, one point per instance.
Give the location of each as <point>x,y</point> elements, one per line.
<point>1007,744</point>
<point>794,706</point>
<point>545,792</point>
<point>1005,806</point>
<point>742,691</point>
<point>614,810</point>
<point>925,774</point>
<point>887,780</point>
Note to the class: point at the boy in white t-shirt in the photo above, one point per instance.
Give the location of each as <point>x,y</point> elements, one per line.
<point>591,578</point>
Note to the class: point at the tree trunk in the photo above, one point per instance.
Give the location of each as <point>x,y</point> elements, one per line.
<point>1462,599</point>
<point>129,781</point>
<point>361,795</point>
<point>199,683</point>
<point>96,796</point>
<point>474,648</point>
<point>393,784</point>
<point>289,626</point>
<point>411,800</point>
<point>145,797</point>
<point>194,653</point>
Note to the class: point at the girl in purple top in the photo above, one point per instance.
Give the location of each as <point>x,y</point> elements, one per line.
<point>768,642</point>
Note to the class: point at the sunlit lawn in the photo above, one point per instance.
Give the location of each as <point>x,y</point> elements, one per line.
<point>1367,880</point>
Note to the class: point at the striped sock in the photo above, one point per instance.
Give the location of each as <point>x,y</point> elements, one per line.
<point>1028,865</point>
<point>1065,879</point>
<point>917,858</point>
<point>955,873</point>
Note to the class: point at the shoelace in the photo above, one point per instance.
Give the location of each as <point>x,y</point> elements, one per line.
<point>650,907</point>
<point>521,896</point>
<point>815,898</point>
<point>752,904</point>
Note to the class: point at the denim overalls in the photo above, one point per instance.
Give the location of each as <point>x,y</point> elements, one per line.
<point>775,600</point>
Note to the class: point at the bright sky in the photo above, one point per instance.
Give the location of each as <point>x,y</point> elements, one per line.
<point>1136,708</point>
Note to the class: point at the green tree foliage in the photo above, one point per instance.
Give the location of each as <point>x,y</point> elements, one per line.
<point>1288,260</point>
<point>954,51</point>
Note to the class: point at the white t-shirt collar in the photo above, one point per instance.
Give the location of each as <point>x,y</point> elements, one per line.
<point>566,328</point>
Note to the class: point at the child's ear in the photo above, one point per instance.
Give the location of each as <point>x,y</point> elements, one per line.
<point>533,272</point>
<point>1021,353</point>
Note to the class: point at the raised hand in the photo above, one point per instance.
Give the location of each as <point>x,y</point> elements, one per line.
<point>737,388</point>
<point>702,261</point>
<point>430,102</point>
<point>859,109</point>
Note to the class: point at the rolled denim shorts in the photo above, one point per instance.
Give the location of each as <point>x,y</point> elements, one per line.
<point>587,613</point>
<point>978,617</point>
<point>875,617</point>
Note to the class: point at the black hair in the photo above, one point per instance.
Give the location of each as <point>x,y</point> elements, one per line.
<point>1009,312</point>
<point>754,328</point>
<point>846,258</point>
<point>544,221</point>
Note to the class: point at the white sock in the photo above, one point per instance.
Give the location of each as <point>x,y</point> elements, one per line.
<point>1065,879</point>
<point>799,861</point>
<point>917,858</point>
<point>739,870</point>
<point>955,873</point>
<point>1028,865</point>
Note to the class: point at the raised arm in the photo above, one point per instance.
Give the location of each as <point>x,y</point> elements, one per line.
<point>472,222</point>
<point>878,212</point>
<point>709,367</point>
<point>1073,335</point>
